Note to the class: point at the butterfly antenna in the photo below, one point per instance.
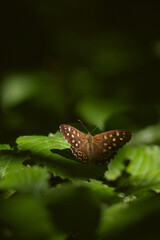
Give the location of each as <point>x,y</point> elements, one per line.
<point>94,129</point>
<point>100,123</point>
<point>83,124</point>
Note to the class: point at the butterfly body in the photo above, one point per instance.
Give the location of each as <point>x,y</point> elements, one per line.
<point>89,138</point>
<point>89,142</point>
<point>99,148</point>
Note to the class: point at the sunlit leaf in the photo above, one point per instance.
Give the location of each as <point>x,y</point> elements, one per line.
<point>117,165</point>
<point>5,147</point>
<point>11,162</point>
<point>144,159</point>
<point>50,151</point>
<point>30,179</point>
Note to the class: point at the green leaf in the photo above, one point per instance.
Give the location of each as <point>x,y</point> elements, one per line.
<point>58,161</point>
<point>5,147</point>
<point>103,192</point>
<point>144,159</point>
<point>120,220</point>
<point>30,179</point>
<point>75,210</point>
<point>117,165</point>
<point>110,218</point>
<point>11,162</point>
<point>140,184</point>
<point>148,181</point>
<point>24,217</point>
<point>143,170</point>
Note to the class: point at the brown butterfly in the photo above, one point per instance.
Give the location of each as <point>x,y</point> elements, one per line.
<point>99,148</point>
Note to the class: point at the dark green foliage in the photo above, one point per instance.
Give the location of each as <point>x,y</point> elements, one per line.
<point>78,214</point>
<point>47,195</point>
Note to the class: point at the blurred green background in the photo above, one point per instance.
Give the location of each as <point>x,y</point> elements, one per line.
<point>64,60</point>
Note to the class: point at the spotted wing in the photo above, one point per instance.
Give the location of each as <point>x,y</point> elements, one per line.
<point>106,145</point>
<point>77,141</point>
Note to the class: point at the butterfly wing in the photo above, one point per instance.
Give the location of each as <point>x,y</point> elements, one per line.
<point>77,141</point>
<point>103,147</point>
<point>106,145</point>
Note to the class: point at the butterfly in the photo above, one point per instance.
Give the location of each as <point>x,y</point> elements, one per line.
<point>100,148</point>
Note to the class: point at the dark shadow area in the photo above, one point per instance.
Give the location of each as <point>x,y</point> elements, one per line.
<point>64,153</point>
